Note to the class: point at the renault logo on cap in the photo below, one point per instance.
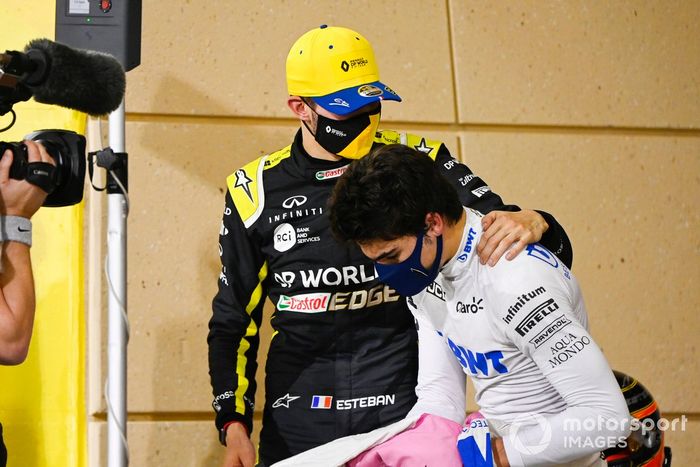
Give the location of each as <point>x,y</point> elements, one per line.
<point>345,66</point>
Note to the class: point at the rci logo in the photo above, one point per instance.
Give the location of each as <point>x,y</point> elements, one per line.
<point>284,237</point>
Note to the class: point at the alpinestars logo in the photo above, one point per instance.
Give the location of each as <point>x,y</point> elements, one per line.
<point>243,181</point>
<point>284,401</point>
<point>423,147</point>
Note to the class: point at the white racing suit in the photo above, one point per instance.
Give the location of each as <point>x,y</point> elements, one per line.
<point>519,329</point>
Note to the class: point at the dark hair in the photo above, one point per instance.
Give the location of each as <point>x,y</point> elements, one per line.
<point>387,194</point>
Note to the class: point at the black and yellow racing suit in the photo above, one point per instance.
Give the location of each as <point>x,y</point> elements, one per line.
<point>343,357</point>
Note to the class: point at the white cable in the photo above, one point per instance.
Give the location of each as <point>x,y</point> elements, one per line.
<point>127,326</point>
<point>122,308</point>
<point>122,431</point>
<point>121,187</point>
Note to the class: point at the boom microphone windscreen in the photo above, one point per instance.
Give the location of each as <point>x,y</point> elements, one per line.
<point>84,80</point>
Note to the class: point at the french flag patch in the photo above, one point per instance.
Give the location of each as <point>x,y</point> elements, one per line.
<point>321,402</point>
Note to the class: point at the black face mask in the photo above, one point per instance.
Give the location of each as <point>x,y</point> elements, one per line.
<point>351,138</point>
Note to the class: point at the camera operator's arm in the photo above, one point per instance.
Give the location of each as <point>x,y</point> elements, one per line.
<point>19,200</point>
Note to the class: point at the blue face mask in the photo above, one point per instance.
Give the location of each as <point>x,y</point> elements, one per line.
<point>409,276</point>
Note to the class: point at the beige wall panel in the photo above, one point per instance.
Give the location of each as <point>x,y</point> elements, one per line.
<point>629,205</point>
<point>177,190</point>
<point>684,440</point>
<point>162,444</point>
<point>626,63</point>
<point>228,58</point>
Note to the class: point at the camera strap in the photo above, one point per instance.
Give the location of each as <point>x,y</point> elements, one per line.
<point>43,175</point>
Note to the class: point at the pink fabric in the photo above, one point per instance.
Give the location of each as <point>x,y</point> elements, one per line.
<point>431,442</point>
<point>472,416</point>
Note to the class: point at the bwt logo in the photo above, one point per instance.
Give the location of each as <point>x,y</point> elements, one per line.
<point>477,362</point>
<point>468,247</point>
<point>294,201</point>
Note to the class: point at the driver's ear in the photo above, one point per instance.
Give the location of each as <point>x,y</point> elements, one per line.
<point>434,224</point>
<point>297,105</point>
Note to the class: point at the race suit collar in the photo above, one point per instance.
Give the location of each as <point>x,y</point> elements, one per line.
<point>311,168</point>
<point>467,249</point>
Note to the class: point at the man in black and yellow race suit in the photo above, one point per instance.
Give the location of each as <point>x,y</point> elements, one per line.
<point>343,357</point>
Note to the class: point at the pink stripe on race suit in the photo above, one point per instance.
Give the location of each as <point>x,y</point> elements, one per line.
<point>431,442</point>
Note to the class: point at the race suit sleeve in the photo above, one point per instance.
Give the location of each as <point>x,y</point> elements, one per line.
<point>441,388</point>
<point>474,193</point>
<point>552,330</point>
<point>233,328</point>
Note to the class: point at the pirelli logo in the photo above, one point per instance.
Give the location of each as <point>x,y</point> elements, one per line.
<point>536,316</point>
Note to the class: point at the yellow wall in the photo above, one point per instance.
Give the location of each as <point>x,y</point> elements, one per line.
<point>589,110</point>
<point>42,401</point>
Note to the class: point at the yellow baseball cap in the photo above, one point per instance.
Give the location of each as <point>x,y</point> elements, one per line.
<point>335,67</point>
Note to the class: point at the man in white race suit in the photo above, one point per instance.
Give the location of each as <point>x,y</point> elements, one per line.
<point>519,329</point>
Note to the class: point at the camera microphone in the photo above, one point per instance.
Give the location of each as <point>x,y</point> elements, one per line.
<point>84,80</point>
